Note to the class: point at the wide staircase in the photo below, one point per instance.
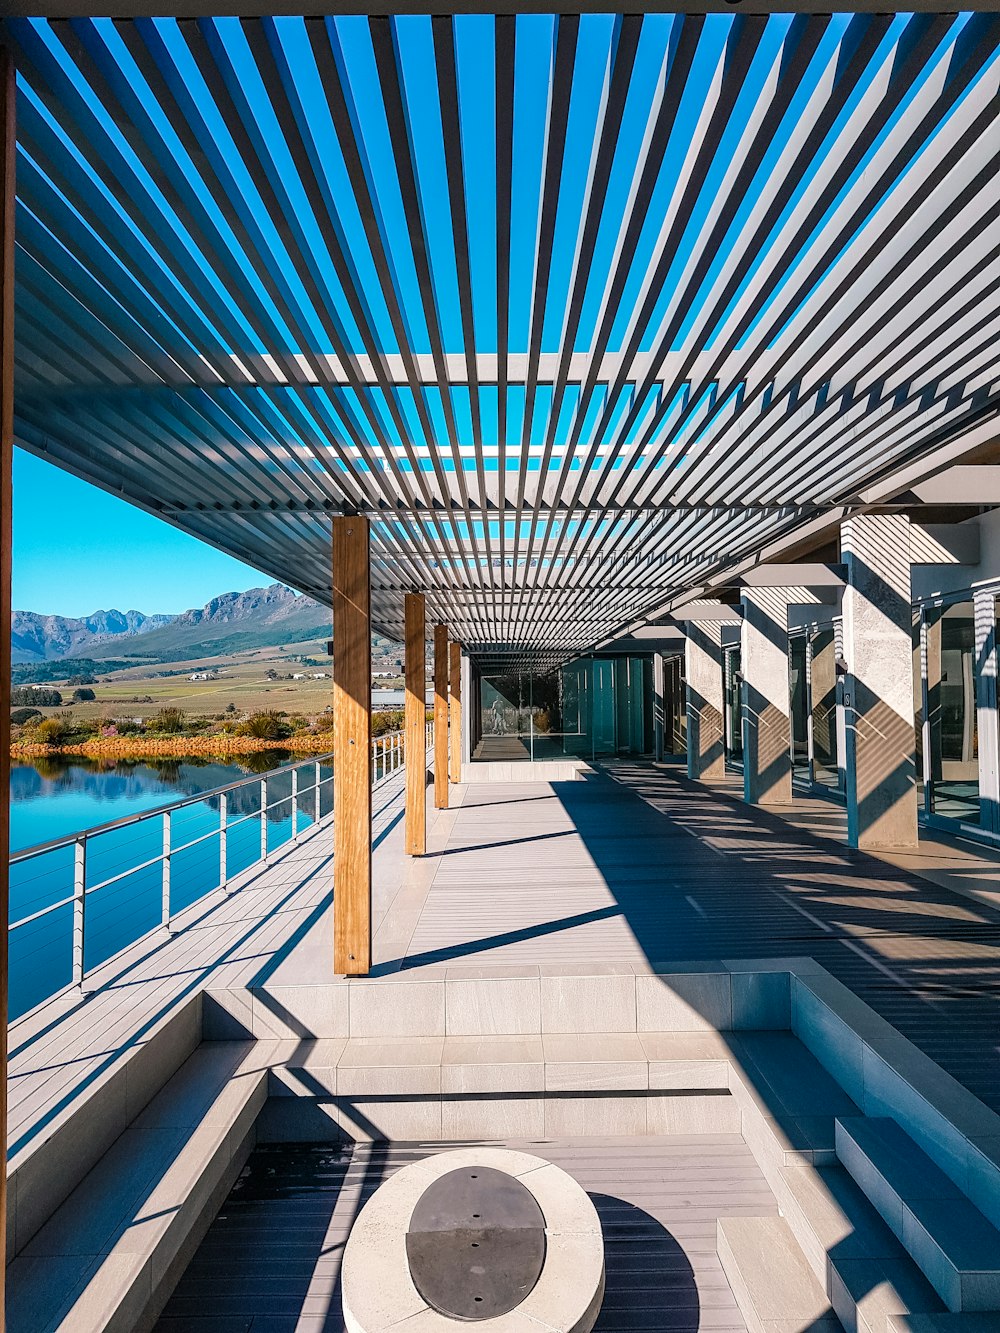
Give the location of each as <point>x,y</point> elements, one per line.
<point>886,1172</point>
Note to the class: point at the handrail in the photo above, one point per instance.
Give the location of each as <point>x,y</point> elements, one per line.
<point>387,757</point>
<point>40,847</point>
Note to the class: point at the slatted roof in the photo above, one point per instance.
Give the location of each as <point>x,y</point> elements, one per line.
<point>577,308</point>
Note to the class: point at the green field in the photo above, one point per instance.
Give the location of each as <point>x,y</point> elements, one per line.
<point>242,682</point>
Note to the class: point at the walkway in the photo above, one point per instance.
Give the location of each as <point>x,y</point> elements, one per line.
<point>638,867</point>
<point>634,867</point>
<point>58,1053</point>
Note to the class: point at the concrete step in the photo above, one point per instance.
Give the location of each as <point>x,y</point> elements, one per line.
<point>859,1263</point>
<point>945,1323</point>
<point>109,1256</point>
<point>950,1240</point>
<point>790,1103</point>
<point>775,1288</point>
<point>528,1086</point>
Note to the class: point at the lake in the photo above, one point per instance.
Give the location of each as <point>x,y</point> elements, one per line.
<point>53,798</point>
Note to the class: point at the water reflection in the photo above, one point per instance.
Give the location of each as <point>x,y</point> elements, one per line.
<point>55,798</point>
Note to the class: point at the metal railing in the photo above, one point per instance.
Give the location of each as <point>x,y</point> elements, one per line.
<point>150,859</point>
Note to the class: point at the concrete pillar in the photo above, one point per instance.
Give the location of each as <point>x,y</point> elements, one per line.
<point>878,688</point>
<point>767,757</point>
<point>703,658</point>
<point>659,711</point>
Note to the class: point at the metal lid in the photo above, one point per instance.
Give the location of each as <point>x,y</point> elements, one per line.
<point>476,1243</point>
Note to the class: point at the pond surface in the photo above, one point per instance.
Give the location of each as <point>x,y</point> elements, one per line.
<point>123,868</point>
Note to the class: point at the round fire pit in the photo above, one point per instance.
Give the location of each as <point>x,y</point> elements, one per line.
<point>481,1235</point>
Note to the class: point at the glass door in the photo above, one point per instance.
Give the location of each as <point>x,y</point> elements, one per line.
<point>734,712</point>
<point>952,764</point>
<point>799,707</point>
<point>823,702</point>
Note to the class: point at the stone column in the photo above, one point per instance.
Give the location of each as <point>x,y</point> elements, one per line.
<point>703,658</point>
<point>767,757</point>
<point>878,688</point>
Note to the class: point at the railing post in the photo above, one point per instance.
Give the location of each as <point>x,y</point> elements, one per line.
<point>79,907</point>
<point>165,914</point>
<point>316,790</point>
<point>223,856</point>
<point>295,803</point>
<point>263,819</point>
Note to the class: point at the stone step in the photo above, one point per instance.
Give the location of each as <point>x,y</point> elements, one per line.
<point>500,1086</point>
<point>108,1257</point>
<point>789,1102</point>
<point>775,1288</point>
<point>950,1240</point>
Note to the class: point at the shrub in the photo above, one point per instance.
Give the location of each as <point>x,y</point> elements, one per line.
<point>127,726</point>
<point>170,720</point>
<point>21,715</point>
<point>53,731</point>
<point>83,696</point>
<point>28,696</point>
<point>387,721</point>
<point>265,725</point>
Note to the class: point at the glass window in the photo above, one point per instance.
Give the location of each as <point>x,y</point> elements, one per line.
<point>823,690</point>
<point>734,711</point>
<point>798,698</point>
<point>951,712</point>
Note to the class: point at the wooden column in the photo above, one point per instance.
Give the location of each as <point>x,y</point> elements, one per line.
<point>352,730</point>
<point>416,710</point>
<point>441,717</point>
<point>8,152</point>
<point>455,704</point>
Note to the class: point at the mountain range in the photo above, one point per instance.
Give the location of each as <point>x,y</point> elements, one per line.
<point>232,622</point>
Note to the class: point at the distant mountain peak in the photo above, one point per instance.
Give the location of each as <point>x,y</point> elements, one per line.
<point>234,621</point>
<point>38,637</point>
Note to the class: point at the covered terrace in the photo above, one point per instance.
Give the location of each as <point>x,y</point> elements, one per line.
<point>640,370</point>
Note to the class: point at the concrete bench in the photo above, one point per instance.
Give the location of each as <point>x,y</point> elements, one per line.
<point>954,1245</point>
<point>110,1254</point>
<point>789,1102</point>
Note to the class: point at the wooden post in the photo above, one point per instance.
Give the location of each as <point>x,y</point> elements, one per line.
<point>415,654</point>
<point>456,712</point>
<point>441,717</point>
<point>352,731</point>
<point>8,149</point>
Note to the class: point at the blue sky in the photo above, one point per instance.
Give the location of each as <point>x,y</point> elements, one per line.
<point>78,549</point>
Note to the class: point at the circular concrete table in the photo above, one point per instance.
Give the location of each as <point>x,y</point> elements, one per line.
<point>378,1287</point>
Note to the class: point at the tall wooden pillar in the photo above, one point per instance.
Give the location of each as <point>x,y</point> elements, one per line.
<point>415,715</point>
<point>8,155</point>
<point>352,730</point>
<point>455,704</point>
<point>441,717</point>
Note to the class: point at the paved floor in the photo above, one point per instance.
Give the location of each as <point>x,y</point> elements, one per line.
<point>271,1261</point>
<point>633,867</point>
<point>226,940</point>
<point>640,867</point>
